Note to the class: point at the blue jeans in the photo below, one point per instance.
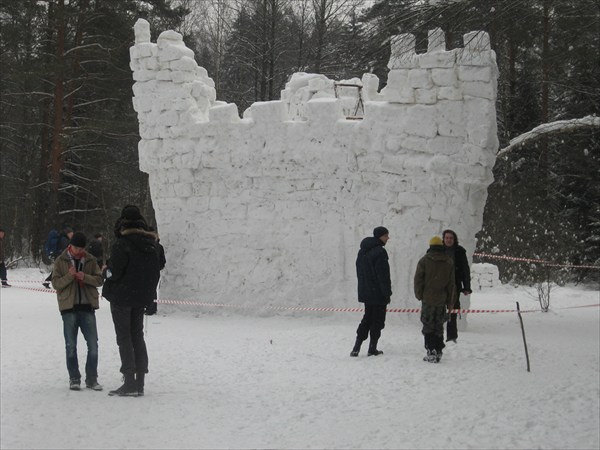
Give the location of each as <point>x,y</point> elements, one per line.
<point>86,321</point>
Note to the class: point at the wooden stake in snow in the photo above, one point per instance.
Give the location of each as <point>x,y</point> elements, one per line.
<point>524,340</point>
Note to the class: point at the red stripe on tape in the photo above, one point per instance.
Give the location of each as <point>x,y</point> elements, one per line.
<point>330,309</point>
<point>533,260</point>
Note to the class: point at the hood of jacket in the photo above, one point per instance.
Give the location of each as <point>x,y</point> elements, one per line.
<point>436,253</point>
<point>369,243</point>
<point>143,240</point>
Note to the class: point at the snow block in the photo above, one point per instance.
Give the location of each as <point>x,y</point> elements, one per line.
<point>224,114</point>
<point>324,111</point>
<point>142,31</point>
<point>268,112</point>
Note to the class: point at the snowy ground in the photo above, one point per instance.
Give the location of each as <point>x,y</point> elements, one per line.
<point>286,381</point>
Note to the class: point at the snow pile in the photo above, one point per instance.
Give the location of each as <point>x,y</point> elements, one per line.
<point>270,208</point>
<point>483,276</point>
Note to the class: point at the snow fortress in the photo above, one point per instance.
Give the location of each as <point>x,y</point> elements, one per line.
<point>269,209</point>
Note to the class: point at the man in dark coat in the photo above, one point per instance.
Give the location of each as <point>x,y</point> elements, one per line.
<point>96,249</point>
<point>434,287</point>
<point>2,265</point>
<point>462,277</point>
<point>131,274</point>
<point>374,289</point>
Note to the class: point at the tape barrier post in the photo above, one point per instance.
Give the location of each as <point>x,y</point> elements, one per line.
<point>524,340</point>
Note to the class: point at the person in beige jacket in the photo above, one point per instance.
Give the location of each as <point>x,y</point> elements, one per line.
<point>435,288</point>
<point>76,277</point>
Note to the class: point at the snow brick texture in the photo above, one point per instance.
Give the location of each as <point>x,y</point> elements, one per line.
<point>484,276</point>
<point>269,209</point>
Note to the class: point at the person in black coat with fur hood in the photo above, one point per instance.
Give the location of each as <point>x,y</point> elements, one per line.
<point>131,274</point>
<point>462,277</point>
<point>374,289</point>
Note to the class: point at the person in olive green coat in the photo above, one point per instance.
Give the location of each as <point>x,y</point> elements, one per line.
<point>75,277</point>
<point>435,287</point>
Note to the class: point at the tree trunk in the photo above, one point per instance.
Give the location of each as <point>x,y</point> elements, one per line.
<point>56,150</point>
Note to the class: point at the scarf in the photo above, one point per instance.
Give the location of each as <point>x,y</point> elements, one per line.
<point>78,264</point>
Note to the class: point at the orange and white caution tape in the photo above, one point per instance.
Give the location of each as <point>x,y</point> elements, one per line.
<point>534,260</point>
<point>324,309</point>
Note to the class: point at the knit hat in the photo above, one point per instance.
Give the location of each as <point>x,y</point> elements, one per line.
<point>380,231</point>
<point>436,240</point>
<point>78,240</point>
<point>131,212</point>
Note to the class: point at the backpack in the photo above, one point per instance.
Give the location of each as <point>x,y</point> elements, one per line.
<point>51,245</point>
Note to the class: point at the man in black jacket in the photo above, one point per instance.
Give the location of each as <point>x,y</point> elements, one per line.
<point>131,278</point>
<point>96,249</point>
<point>2,265</point>
<point>374,289</point>
<point>462,277</point>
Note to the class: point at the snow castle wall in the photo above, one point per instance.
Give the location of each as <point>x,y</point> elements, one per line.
<point>269,209</point>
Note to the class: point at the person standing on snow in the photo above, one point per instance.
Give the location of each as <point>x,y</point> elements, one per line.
<point>131,274</point>
<point>63,243</point>
<point>374,289</point>
<point>434,287</point>
<point>2,265</point>
<point>462,277</point>
<point>76,277</point>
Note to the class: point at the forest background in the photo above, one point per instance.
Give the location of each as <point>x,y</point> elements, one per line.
<point>68,132</point>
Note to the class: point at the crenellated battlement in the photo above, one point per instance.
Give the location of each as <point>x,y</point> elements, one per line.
<point>295,184</point>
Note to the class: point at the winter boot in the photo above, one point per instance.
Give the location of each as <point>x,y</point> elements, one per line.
<point>438,356</point>
<point>431,356</point>
<point>373,349</point>
<point>151,309</point>
<point>356,348</point>
<point>139,381</point>
<point>128,389</point>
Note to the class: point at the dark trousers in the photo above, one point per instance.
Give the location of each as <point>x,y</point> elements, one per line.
<point>129,328</point>
<point>451,328</point>
<point>433,318</point>
<point>3,272</point>
<point>372,322</point>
